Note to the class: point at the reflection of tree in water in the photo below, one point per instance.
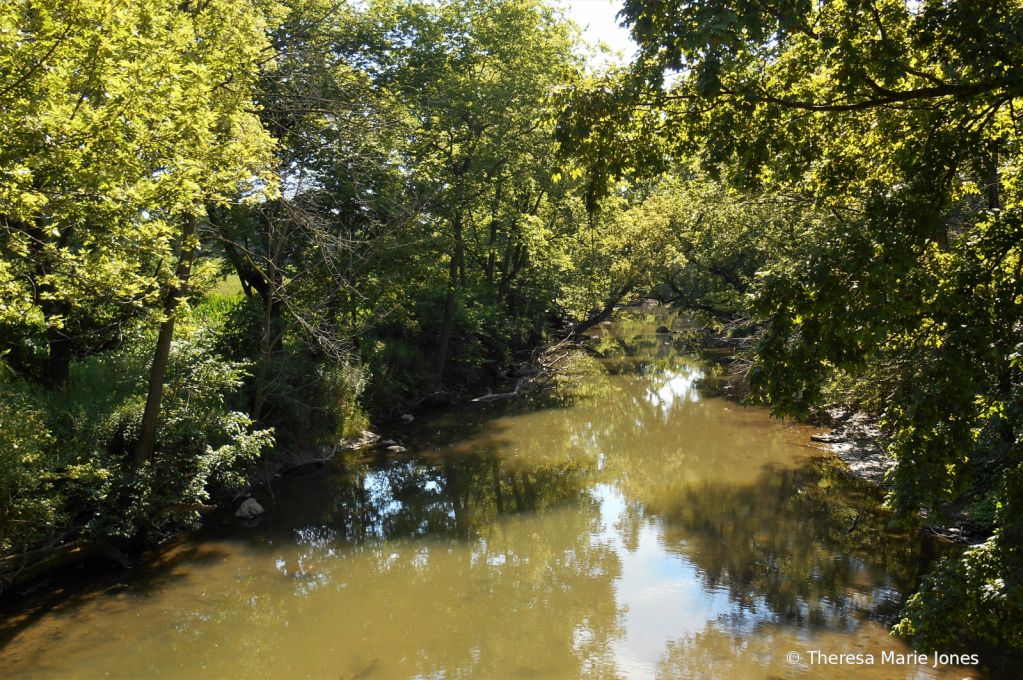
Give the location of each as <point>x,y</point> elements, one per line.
<point>799,544</point>
<point>513,599</point>
<point>488,566</point>
<point>451,496</point>
<point>482,552</point>
<point>483,546</point>
<point>715,653</point>
<point>787,537</point>
<point>629,343</point>
<point>727,649</point>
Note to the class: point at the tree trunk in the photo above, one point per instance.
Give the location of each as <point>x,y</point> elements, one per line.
<point>993,181</point>
<point>264,356</point>
<point>453,486</point>
<point>58,363</point>
<point>491,254</point>
<point>502,288</point>
<point>530,492</point>
<point>519,503</point>
<point>449,303</point>
<point>250,278</point>
<point>151,416</point>
<point>604,314</point>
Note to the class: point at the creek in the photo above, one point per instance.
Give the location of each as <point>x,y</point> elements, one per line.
<point>631,523</point>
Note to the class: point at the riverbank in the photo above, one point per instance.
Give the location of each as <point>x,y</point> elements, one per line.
<point>855,440</point>
<point>854,437</point>
<point>536,370</point>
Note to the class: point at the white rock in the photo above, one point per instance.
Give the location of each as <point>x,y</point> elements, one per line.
<point>407,418</point>
<point>396,449</point>
<point>249,509</point>
<point>388,442</point>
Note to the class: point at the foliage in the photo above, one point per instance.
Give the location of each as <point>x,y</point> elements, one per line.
<point>205,444</point>
<point>474,76</point>
<point>64,464</point>
<point>707,243</point>
<point>895,121</point>
<point>30,505</point>
<point>312,404</point>
<point>381,178</point>
<point>118,116</point>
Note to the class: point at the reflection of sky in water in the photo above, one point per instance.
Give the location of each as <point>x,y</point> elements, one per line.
<point>674,387</point>
<point>378,486</point>
<point>661,595</point>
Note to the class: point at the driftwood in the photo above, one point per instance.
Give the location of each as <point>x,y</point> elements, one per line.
<point>491,396</point>
<point>719,342</point>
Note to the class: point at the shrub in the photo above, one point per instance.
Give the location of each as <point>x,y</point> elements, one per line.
<point>311,403</point>
<point>30,509</point>
<point>202,443</point>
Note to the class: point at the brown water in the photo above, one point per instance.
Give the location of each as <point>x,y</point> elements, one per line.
<point>632,524</point>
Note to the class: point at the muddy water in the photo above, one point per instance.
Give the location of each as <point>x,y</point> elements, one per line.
<point>633,523</point>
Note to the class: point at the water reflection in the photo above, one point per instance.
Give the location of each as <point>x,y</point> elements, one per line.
<point>631,523</point>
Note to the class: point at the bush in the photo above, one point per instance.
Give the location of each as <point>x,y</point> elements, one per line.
<point>980,595</point>
<point>400,370</point>
<point>402,359</point>
<point>66,456</point>
<point>976,597</point>
<point>30,508</point>
<point>203,442</point>
<point>312,403</point>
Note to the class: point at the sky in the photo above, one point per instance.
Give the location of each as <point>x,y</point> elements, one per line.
<point>597,18</point>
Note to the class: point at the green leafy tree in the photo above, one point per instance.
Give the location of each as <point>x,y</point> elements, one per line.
<point>706,243</point>
<point>475,74</point>
<point>897,119</point>
<point>123,120</point>
<point>218,151</point>
<point>83,93</point>
<point>306,253</point>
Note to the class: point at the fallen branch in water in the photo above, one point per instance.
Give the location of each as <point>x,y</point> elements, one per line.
<point>17,569</point>
<point>490,396</point>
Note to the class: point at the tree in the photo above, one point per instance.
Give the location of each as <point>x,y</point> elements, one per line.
<point>215,151</point>
<point>706,243</point>
<point>344,199</point>
<point>475,74</point>
<point>83,97</point>
<point>124,119</point>
<point>898,121</point>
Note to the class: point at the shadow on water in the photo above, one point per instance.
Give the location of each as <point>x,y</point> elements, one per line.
<point>630,523</point>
